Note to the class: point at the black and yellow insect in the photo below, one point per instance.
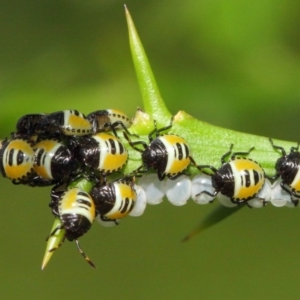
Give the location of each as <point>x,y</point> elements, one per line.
<point>240,179</point>
<point>102,152</point>
<point>288,169</point>
<point>169,154</point>
<point>114,200</point>
<point>108,119</point>
<point>76,210</point>
<point>54,162</point>
<point>66,122</point>
<point>17,160</point>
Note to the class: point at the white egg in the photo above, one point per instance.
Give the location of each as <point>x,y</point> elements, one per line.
<point>202,182</point>
<point>140,203</point>
<point>178,191</point>
<point>153,188</point>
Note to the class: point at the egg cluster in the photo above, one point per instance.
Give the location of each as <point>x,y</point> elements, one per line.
<point>59,148</point>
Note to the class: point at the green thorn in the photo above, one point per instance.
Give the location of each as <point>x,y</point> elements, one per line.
<point>153,102</point>
<point>53,242</point>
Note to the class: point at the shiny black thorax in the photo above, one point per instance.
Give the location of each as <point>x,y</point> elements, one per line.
<point>51,124</point>
<point>104,197</point>
<point>28,125</point>
<point>288,166</point>
<point>89,152</point>
<point>223,180</point>
<point>156,156</point>
<point>75,225</point>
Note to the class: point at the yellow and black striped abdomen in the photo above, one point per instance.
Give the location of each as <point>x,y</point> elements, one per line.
<point>77,202</point>
<point>17,159</point>
<point>110,154</point>
<point>114,200</point>
<point>75,123</point>
<point>44,153</point>
<point>248,177</point>
<point>178,154</point>
<point>125,199</point>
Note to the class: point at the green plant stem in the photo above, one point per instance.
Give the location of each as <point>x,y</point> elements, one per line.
<point>208,143</point>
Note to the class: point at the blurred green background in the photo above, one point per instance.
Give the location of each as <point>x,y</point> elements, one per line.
<point>231,63</point>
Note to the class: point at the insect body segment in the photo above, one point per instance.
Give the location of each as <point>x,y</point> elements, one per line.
<point>288,169</point>
<point>67,122</point>
<point>248,178</point>
<point>104,120</point>
<point>28,124</point>
<point>76,210</point>
<point>168,154</point>
<point>17,160</point>
<point>54,162</point>
<point>103,152</point>
<point>240,179</point>
<point>114,200</point>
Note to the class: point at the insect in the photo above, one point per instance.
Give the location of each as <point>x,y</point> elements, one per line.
<point>27,125</point>
<point>169,154</point>
<point>108,119</point>
<point>54,162</point>
<point>66,122</point>
<point>288,169</point>
<point>76,210</point>
<point>17,160</point>
<point>102,152</point>
<point>240,179</point>
<point>114,200</point>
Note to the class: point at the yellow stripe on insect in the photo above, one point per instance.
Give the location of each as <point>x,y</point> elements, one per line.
<point>173,139</point>
<point>79,122</point>
<point>178,166</point>
<point>246,164</point>
<point>114,162</point>
<point>47,145</point>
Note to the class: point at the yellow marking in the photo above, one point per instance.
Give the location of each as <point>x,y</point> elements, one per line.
<point>69,199</point>
<point>296,186</point>
<point>42,171</point>
<point>79,122</point>
<point>246,164</point>
<point>246,192</point>
<point>174,139</point>
<point>178,166</point>
<point>114,161</point>
<point>118,215</point>
<point>47,145</point>
<point>105,136</point>
<point>15,172</point>
<point>20,145</point>
<point>126,191</point>
<point>92,209</point>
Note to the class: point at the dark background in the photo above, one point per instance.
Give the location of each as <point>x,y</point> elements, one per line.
<point>231,63</point>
